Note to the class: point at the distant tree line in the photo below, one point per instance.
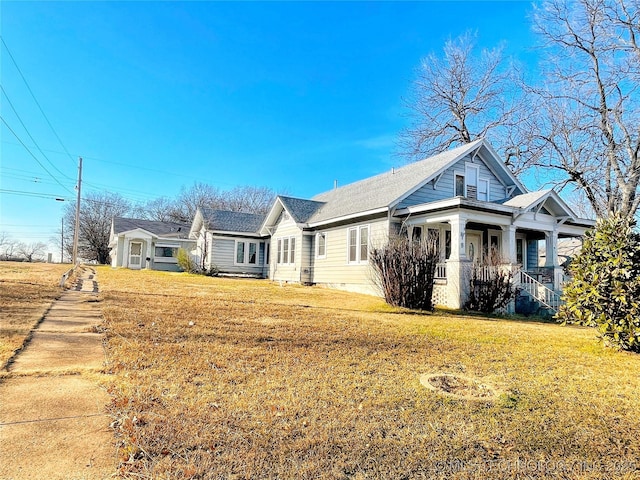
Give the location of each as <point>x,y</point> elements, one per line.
<point>11,249</point>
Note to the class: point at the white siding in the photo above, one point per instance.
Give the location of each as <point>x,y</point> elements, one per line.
<point>286,227</point>
<point>223,255</point>
<point>335,270</point>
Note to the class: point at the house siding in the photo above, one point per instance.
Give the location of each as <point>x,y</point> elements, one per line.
<point>334,269</point>
<point>223,253</point>
<point>445,189</point>
<point>286,227</point>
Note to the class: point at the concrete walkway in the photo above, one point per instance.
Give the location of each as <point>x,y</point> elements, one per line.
<point>53,423</point>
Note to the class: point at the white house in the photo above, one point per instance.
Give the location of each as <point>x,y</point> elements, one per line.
<point>137,243</point>
<point>465,198</point>
<point>230,242</point>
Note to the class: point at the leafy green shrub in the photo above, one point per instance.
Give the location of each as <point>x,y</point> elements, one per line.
<point>186,262</point>
<point>491,284</point>
<point>405,270</point>
<point>605,289</point>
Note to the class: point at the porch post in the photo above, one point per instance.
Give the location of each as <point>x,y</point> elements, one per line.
<point>551,239</point>
<point>509,244</point>
<point>458,265</point>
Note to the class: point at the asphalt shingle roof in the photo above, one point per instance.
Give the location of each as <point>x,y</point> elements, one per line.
<point>382,190</point>
<point>161,229</point>
<point>224,220</point>
<point>300,209</point>
<point>526,199</point>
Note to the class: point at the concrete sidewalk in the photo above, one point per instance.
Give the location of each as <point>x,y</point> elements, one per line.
<point>53,423</point>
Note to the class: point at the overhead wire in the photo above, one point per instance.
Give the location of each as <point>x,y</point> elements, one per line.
<point>35,99</point>
<point>31,136</point>
<point>34,157</point>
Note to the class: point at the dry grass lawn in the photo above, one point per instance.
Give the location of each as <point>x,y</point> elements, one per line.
<point>227,378</point>
<point>26,292</point>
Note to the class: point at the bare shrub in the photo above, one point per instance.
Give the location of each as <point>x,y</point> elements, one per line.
<point>405,270</point>
<point>491,284</point>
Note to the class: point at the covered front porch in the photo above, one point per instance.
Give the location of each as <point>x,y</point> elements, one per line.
<point>470,233</point>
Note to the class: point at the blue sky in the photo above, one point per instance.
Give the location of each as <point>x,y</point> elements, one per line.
<point>158,95</point>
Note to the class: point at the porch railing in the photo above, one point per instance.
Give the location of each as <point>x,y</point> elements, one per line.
<point>538,291</point>
<point>441,271</point>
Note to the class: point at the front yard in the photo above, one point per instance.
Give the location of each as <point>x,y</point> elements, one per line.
<point>226,378</point>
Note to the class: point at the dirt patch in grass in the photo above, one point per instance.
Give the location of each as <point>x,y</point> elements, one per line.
<point>26,292</point>
<point>458,386</point>
<point>226,378</point>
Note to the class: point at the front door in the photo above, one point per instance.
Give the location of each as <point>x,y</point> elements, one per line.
<point>474,247</point>
<point>135,255</point>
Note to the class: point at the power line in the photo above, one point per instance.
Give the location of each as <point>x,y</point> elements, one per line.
<point>35,99</point>
<point>34,157</point>
<point>29,133</point>
<point>34,194</point>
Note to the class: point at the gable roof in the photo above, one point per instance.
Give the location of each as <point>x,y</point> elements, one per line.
<point>228,221</point>
<point>547,198</point>
<point>301,210</point>
<point>159,229</point>
<point>387,189</point>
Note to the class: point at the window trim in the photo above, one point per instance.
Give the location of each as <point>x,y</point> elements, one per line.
<point>358,246</point>
<point>245,256</point>
<point>318,236</point>
<point>290,253</point>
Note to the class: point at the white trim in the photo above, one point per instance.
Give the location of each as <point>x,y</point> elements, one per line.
<point>349,217</point>
<point>318,235</point>
<point>245,255</point>
<point>291,257</point>
<point>358,229</point>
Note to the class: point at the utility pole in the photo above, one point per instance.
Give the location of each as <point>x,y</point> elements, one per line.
<point>62,240</point>
<point>76,230</point>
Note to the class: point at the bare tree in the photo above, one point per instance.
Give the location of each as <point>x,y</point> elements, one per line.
<point>31,251</point>
<point>460,96</point>
<point>584,126</point>
<point>159,209</point>
<point>96,212</point>
<point>7,246</point>
<point>248,199</point>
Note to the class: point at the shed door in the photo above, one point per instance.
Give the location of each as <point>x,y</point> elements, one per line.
<point>135,255</point>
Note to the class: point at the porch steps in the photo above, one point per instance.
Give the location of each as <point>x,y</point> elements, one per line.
<point>543,295</point>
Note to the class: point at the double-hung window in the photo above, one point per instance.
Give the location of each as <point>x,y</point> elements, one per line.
<point>321,242</point>
<point>470,185</point>
<point>246,253</point>
<point>286,250</point>
<point>358,244</point>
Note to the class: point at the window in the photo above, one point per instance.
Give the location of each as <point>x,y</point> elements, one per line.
<point>321,242</point>
<point>358,244</point>
<point>447,244</point>
<point>167,252</point>
<point>240,252</point>
<point>253,253</point>
<point>483,189</point>
<point>267,254</point>
<point>286,250</point>
<point>460,185</point>
<point>471,173</point>
<point>364,244</point>
<point>416,234</point>
<point>246,253</point>
<point>470,185</point>
<point>433,237</point>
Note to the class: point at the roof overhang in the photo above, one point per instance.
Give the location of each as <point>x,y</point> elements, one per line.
<point>352,216</point>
